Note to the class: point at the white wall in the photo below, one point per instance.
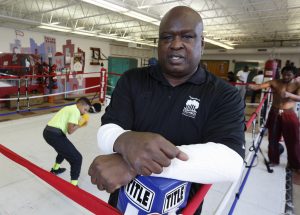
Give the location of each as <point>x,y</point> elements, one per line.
<point>8,36</point>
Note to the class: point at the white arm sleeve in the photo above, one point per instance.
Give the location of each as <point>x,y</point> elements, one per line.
<point>106,137</point>
<point>207,164</point>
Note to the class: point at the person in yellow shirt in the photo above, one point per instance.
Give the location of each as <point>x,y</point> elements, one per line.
<point>67,120</point>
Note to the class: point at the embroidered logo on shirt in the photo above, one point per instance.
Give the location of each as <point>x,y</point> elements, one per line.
<point>191,106</point>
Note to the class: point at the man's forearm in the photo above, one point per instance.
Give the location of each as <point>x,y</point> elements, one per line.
<point>72,128</point>
<point>208,163</point>
<point>293,96</point>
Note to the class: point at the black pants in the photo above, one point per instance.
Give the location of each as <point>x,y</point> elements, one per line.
<point>253,95</point>
<point>65,149</point>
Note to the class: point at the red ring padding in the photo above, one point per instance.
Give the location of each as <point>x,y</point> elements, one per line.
<point>83,198</point>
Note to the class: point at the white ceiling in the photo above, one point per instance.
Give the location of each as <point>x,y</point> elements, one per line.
<point>239,23</point>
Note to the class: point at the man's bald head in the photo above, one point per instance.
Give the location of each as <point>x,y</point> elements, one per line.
<point>181,13</point>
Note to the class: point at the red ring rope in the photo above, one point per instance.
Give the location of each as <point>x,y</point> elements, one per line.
<point>83,198</point>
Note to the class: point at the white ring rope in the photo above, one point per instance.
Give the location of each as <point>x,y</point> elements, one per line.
<point>111,86</point>
<point>223,204</point>
<point>225,201</point>
<point>53,94</point>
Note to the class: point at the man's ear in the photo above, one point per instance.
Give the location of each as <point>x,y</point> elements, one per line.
<point>202,44</point>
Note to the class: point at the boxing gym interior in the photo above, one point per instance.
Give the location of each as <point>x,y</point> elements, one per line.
<point>53,52</point>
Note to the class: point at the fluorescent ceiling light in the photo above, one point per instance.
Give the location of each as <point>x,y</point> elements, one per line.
<point>79,28</point>
<point>147,44</point>
<point>54,23</point>
<point>92,34</point>
<point>157,4</point>
<point>122,40</point>
<point>132,41</point>
<point>113,34</point>
<point>233,43</point>
<point>218,43</point>
<point>86,33</point>
<point>105,36</point>
<point>123,10</point>
<point>55,28</point>
<point>156,23</point>
<point>107,5</point>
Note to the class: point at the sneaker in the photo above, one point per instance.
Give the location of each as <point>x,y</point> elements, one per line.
<point>58,171</point>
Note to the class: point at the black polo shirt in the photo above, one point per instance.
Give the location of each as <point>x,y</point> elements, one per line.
<point>203,109</point>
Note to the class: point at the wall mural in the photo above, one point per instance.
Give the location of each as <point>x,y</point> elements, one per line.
<point>43,59</point>
<point>16,46</point>
<point>37,49</point>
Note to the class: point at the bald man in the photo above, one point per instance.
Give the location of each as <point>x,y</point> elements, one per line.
<point>172,120</point>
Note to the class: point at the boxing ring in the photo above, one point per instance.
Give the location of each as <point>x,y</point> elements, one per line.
<point>61,87</point>
<point>25,157</point>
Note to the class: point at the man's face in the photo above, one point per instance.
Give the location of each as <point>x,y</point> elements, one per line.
<point>287,76</point>
<point>180,45</point>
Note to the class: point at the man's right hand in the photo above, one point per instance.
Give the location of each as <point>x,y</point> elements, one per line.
<point>253,87</point>
<point>110,172</point>
<point>147,152</point>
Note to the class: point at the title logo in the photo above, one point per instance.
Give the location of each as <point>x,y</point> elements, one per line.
<point>174,198</point>
<point>140,195</point>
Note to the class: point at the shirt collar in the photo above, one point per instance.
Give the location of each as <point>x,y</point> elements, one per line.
<point>198,77</point>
